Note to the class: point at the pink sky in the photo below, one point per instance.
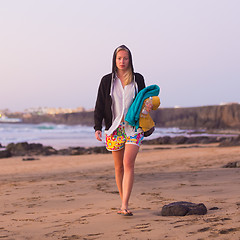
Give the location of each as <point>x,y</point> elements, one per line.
<point>53,53</point>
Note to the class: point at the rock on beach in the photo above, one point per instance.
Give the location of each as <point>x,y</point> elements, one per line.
<point>34,149</point>
<point>183,209</point>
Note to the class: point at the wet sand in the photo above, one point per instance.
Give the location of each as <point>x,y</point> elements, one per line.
<point>75,197</point>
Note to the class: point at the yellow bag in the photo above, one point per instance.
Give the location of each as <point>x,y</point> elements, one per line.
<point>145,121</point>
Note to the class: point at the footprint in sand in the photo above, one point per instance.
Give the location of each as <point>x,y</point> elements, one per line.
<point>7,213</point>
<point>229,230</point>
<point>90,236</point>
<point>3,233</point>
<point>144,227</point>
<point>204,229</point>
<point>72,237</point>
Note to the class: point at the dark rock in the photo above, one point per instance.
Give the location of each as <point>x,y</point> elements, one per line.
<point>179,140</point>
<point>232,165</point>
<point>184,140</point>
<point>46,151</point>
<point>98,150</point>
<point>72,151</point>
<point>230,142</point>
<point>24,148</point>
<point>183,208</point>
<point>82,150</point>
<point>158,141</point>
<point>32,149</point>
<point>5,154</point>
<point>15,149</point>
<point>201,140</point>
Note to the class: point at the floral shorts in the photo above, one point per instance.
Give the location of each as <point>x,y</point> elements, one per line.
<point>118,139</point>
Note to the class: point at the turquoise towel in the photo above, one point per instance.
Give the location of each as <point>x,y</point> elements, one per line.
<point>132,116</point>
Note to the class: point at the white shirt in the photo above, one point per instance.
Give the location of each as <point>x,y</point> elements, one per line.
<point>122,99</point>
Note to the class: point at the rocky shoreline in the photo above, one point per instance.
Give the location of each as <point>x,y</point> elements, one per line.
<point>206,117</point>
<point>37,149</point>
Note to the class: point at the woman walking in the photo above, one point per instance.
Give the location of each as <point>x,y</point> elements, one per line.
<point>116,93</point>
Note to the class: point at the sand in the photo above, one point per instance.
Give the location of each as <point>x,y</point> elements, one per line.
<point>75,197</point>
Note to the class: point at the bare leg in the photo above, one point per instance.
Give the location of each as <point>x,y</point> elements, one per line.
<point>118,163</point>
<point>130,155</point>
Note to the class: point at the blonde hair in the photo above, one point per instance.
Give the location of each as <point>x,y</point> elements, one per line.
<point>128,76</point>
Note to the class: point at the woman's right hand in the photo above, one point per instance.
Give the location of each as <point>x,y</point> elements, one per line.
<point>98,135</point>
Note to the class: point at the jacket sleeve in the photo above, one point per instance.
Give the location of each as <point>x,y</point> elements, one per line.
<point>140,81</point>
<point>99,107</point>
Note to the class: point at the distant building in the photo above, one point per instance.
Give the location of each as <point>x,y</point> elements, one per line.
<point>4,111</point>
<point>52,111</point>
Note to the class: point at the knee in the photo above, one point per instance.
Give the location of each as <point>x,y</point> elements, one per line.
<point>119,169</point>
<point>129,166</point>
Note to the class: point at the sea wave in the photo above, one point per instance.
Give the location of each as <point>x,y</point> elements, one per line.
<point>61,136</point>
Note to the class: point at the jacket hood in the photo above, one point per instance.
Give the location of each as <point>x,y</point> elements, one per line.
<point>114,67</point>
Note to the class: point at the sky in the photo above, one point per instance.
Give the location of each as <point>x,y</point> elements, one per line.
<point>53,53</point>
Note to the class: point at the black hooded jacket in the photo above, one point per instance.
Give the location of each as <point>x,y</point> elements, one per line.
<point>103,107</point>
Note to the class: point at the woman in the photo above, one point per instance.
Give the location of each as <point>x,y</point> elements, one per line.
<point>116,93</point>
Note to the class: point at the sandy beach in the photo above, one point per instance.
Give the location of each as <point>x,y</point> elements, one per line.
<point>75,197</point>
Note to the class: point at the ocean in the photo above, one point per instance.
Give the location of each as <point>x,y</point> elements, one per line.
<point>63,136</point>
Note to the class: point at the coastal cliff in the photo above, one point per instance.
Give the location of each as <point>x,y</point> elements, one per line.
<point>81,118</point>
<point>208,117</point>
